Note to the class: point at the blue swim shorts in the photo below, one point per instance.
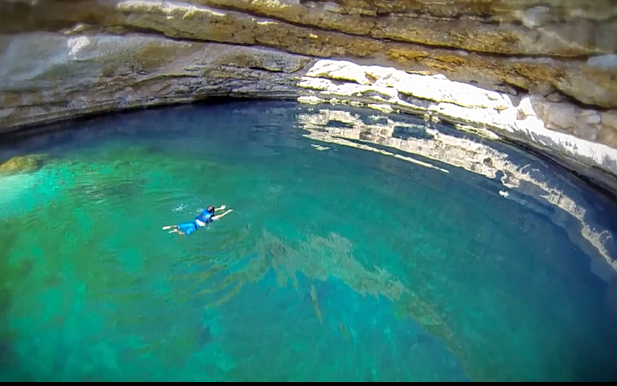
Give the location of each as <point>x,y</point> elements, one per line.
<point>187,228</point>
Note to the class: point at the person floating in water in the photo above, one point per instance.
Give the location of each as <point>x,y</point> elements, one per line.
<point>206,217</point>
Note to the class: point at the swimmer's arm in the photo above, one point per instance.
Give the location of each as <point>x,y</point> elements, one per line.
<point>219,216</point>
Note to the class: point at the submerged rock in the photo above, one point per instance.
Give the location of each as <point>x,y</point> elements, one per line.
<point>23,164</point>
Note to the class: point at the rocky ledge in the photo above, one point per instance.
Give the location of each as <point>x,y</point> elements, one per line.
<point>544,76</point>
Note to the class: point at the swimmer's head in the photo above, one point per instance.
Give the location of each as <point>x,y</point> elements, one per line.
<point>210,209</point>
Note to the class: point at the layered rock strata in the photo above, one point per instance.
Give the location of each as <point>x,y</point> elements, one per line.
<point>542,75</point>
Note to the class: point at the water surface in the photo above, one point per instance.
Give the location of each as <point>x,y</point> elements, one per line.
<point>337,264</point>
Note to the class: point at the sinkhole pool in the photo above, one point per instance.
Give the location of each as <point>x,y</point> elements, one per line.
<point>362,247</point>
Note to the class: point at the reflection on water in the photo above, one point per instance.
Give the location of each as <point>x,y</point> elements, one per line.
<point>432,256</point>
<point>530,183</point>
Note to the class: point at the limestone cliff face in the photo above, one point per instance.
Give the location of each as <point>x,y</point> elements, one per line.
<point>558,50</point>
<point>545,75</point>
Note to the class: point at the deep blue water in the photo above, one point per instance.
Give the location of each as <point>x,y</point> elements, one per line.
<point>337,264</point>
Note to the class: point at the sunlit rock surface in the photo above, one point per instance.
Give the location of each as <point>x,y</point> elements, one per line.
<point>560,48</point>
<point>565,131</point>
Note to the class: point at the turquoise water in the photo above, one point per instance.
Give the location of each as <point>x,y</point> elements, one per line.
<point>336,265</point>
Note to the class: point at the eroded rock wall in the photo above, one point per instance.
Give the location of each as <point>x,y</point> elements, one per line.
<point>543,74</point>
<point>560,50</point>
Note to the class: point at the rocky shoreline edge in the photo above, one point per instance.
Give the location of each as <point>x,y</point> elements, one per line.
<point>77,75</point>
